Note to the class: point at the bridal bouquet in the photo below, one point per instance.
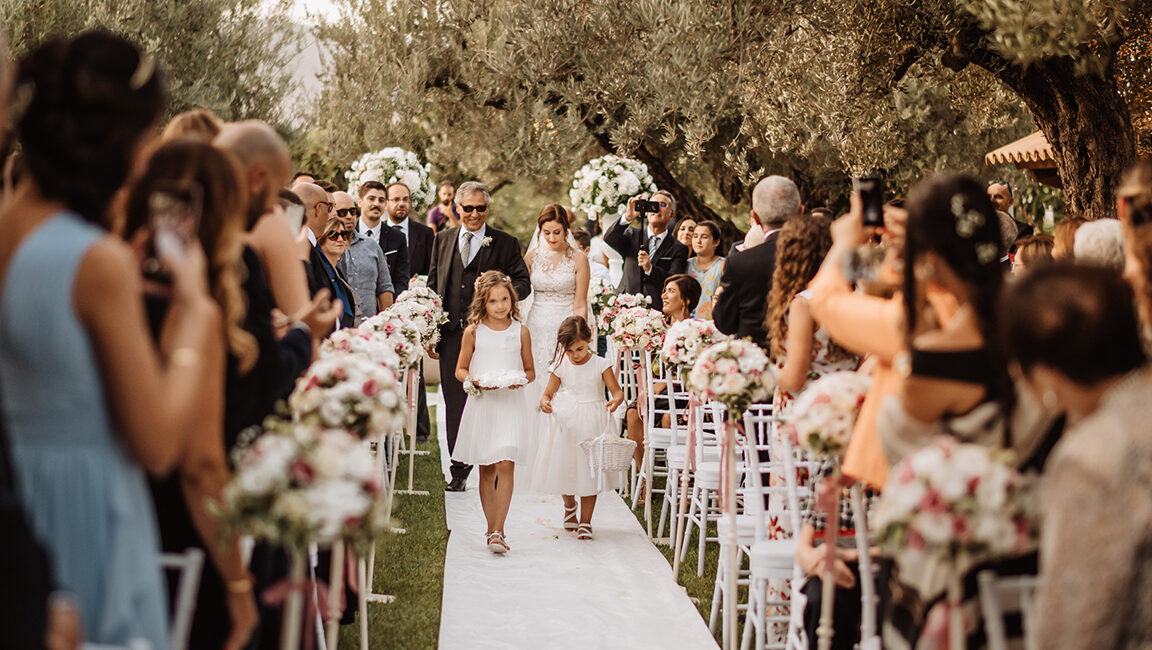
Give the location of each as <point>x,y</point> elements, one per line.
<point>687,339</point>
<point>363,343</point>
<point>616,304</point>
<point>735,373</point>
<point>349,392</point>
<point>604,185</point>
<point>394,165</point>
<point>825,413</point>
<point>428,298</point>
<point>400,336</point>
<point>638,328</point>
<point>298,484</point>
<point>426,319</point>
<point>956,502</point>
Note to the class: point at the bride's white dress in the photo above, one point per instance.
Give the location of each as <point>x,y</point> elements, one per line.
<point>553,296</point>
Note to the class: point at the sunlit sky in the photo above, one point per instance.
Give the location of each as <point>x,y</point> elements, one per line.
<point>301,8</point>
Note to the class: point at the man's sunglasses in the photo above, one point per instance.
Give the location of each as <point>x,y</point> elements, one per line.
<point>478,208</point>
<point>340,234</point>
<point>343,212</point>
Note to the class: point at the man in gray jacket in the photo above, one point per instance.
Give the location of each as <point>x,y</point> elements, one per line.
<point>363,263</point>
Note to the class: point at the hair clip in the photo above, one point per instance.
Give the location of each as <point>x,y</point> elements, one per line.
<point>144,70</point>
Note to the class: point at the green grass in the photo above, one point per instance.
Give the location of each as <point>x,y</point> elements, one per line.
<point>410,566</point>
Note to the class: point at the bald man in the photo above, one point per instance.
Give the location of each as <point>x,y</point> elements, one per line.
<point>264,160</point>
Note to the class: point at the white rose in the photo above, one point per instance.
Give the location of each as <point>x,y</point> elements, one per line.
<point>935,528</point>
<point>734,384</point>
<point>291,506</point>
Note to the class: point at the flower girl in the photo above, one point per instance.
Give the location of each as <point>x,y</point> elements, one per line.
<point>495,362</point>
<point>579,413</point>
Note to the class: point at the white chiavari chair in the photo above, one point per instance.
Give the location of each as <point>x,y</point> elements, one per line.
<point>869,634</point>
<point>773,474</point>
<point>704,501</point>
<point>626,375</point>
<point>1000,595</point>
<point>188,565</point>
<point>658,438</point>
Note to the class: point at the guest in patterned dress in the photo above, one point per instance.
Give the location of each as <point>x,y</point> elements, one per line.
<point>801,349</point>
<point>706,267</point>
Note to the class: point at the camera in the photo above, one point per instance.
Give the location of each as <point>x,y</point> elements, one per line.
<point>871,189</point>
<point>641,206</point>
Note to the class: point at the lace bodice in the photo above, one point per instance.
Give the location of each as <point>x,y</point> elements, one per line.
<point>553,277</point>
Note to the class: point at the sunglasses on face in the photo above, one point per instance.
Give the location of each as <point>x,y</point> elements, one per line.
<point>343,212</point>
<point>479,208</point>
<point>340,234</point>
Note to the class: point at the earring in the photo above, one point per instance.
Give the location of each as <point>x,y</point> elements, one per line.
<point>1049,400</point>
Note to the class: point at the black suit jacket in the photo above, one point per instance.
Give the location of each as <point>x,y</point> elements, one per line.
<point>502,254</point>
<point>420,239</point>
<point>670,259</point>
<point>395,256</point>
<point>314,271</point>
<point>743,302</point>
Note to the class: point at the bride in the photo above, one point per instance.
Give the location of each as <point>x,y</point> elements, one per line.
<point>559,284</point>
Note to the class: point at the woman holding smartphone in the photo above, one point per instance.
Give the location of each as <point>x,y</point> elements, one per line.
<point>90,402</point>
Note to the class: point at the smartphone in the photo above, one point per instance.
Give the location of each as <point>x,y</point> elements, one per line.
<point>871,190</point>
<point>174,219</point>
<point>295,215</point>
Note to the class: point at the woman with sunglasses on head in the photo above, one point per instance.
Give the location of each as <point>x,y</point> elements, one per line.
<point>333,242</point>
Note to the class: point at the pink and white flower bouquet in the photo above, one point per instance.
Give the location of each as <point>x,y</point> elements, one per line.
<point>638,328</point>
<point>425,318</point>
<point>685,340</point>
<point>600,291</point>
<point>297,484</point>
<point>365,343</point>
<point>402,336</point>
<point>824,415</point>
<point>428,298</point>
<point>349,392</point>
<point>956,502</point>
<point>616,304</point>
<point>735,373</point>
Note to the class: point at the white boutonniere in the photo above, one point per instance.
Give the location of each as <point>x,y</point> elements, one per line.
<point>486,242</point>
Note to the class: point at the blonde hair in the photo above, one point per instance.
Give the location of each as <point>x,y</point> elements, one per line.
<point>488,281</point>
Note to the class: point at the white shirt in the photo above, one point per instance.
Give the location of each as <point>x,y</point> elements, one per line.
<point>403,226</point>
<point>476,243</point>
<point>311,236</point>
<point>370,232</point>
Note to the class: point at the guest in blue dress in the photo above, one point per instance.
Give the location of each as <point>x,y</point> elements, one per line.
<point>90,402</point>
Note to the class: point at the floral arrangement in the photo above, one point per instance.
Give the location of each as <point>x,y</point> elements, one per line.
<point>600,291</point>
<point>687,339</point>
<point>426,319</point>
<point>962,503</point>
<point>349,392</point>
<point>361,342</point>
<point>400,336</point>
<point>825,413</point>
<point>392,165</point>
<point>298,483</point>
<point>616,304</point>
<point>638,328</point>
<point>428,298</point>
<point>735,373</point>
<point>418,281</point>
<point>604,185</point>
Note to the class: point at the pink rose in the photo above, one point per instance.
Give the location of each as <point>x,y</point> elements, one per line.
<point>932,502</point>
<point>370,388</point>
<point>301,472</point>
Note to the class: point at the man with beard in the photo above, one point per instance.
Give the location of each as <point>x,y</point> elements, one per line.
<point>443,215</point>
<point>373,207</point>
<point>416,235</point>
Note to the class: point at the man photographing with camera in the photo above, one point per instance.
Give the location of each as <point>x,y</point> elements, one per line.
<point>651,254</point>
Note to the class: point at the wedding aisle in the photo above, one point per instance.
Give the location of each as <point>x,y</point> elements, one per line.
<point>552,591</point>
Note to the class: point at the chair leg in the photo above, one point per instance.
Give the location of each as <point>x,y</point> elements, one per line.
<point>692,500</point>
<point>752,616</point>
<point>717,596</point>
<point>705,505</point>
<point>669,504</point>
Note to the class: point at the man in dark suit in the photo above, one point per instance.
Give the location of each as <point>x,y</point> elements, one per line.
<point>417,236</point>
<point>742,299</point>
<point>317,209</point>
<point>459,256</point>
<point>419,241</point>
<point>650,255</point>
<point>373,207</point>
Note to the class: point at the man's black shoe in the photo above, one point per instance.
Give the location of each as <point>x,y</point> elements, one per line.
<point>456,485</point>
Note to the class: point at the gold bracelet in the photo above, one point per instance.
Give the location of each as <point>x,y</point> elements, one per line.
<point>184,357</point>
<point>241,586</point>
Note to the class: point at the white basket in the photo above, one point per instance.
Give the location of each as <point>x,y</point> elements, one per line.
<point>608,454</point>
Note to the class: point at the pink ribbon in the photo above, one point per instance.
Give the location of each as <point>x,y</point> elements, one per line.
<point>692,405</point>
<point>315,596</point>
<point>641,391</point>
<point>729,432</point>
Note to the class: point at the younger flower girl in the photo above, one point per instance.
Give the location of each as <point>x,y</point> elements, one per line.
<point>495,363</point>
<point>580,412</point>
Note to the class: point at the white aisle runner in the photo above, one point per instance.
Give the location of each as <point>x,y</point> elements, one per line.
<point>554,591</point>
